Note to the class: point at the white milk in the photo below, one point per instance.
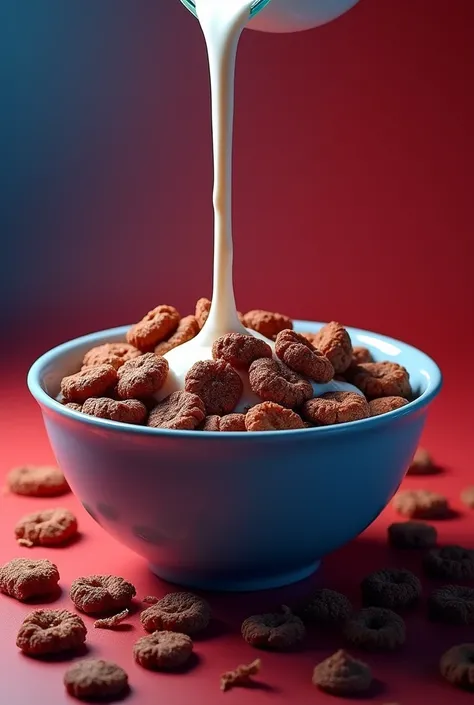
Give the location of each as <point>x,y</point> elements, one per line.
<point>222,22</point>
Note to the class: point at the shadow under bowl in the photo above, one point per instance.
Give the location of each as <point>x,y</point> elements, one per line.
<point>234,511</point>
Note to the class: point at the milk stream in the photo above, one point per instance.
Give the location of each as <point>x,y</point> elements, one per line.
<point>222,22</point>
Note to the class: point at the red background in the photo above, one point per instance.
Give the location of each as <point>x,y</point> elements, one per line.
<point>353,201</point>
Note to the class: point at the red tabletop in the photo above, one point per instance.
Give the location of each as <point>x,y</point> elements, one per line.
<point>408,677</point>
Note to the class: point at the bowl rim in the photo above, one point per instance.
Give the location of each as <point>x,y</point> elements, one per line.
<point>36,373</point>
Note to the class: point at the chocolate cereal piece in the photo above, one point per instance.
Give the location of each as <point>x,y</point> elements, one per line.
<point>381,379</point>
<point>178,411</point>
<point>412,534</point>
<point>177,612</point>
<point>73,406</point>
<point>422,463</point>
<point>203,306</point>
<point>421,504</point>
<point>279,632</point>
<point>377,407</point>
<point>272,417</point>
<point>457,666</point>
<point>163,650</point>
<point>46,632</point>
<point>453,604</point>
<point>95,679</point>
<point>450,563</point>
<point>334,341</point>
<point>300,356</point>
<point>361,355</point>
<point>467,497</point>
<point>216,383</point>
<point>113,621</point>
<point>92,381</point>
<point>129,411</point>
<point>187,329</point>
<point>142,377</point>
<point>99,594</point>
<point>240,350</point>
<point>230,422</point>
<point>375,629</point>
<point>271,380</point>
<point>334,408</point>
<point>37,481</point>
<point>393,588</point>
<point>240,676</point>
<point>24,579</point>
<point>266,323</point>
<point>50,527</point>
<point>340,674</point>
<point>114,354</point>
<point>326,608</point>
<point>156,326</point>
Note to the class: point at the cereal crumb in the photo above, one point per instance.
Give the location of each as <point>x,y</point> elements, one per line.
<point>95,678</point>
<point>457,666</point>
<point>111,622</point>
<point>467,497</point>
<point>422,463</point>
<point>340,674</point>
<point>163,650</point>
<point>50,527</point>
<point>412,534</point>
<point>241,676</point>
<point>280,632</point>
<point>150,600</point>
<point>177,612</point>
<point>24,578</point>
<point>97,594</point>
<point>37,481</point>
<point>421,504</point>
<point>50,632</point>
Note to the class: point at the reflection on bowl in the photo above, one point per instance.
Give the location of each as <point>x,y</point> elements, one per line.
<point>230,511</point>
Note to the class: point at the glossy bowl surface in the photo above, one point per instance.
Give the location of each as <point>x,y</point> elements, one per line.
<point>231,511</point>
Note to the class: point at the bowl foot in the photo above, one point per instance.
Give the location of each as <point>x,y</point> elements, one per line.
<point>247,583</point>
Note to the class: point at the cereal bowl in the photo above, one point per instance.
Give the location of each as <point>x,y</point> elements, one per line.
<point>234,511</point>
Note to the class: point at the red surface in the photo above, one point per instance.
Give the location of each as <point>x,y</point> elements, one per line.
<point>409,677</point>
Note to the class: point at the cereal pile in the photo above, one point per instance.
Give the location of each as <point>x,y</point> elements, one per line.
<point>119,381</point>
<point>170,623</point>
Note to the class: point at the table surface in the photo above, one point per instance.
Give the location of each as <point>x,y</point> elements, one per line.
<point>409,677</point>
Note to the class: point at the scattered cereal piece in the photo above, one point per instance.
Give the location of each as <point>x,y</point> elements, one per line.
<point>203,306</point>
<point>381,379</point>
<point>273,381</point>
<point>23,578</point>
<point>377,407</point>
<point>217,384</point>
<point>163,650</point>
<point>240,350</point>
<point>412,534</point>
<point>73,406</point>
<point>421,504</point>
<point>241,676</point>
<point>187,329</point>
<point>50,632</point>
<point>111,622</point>
<point>179,411</point>
<point>273,631</point>
<point>230,422</point>
<point>326,607</point>
<point>129,411</point>
<point>37,481</point>
<point>301,356</point>
<point>156,326</point>
<point>467,496</point>
<point>393,588</point>
<point>422,463</point>
<point>266,323</point>
<point>335,407</point>
<point>142,377</point>
<point>361,355</point>
<point>334,341</point>
<point>457,666</point>
<point>269,416</point>
<point>450,563</point>
<point>150,600</point>
<point>177,612</point>
<point>95,679</point>
<point>340,674</point>
<point>375,628</point>
<point>50,527</point>
<point>114,354</point>
<point>97,594</point>
<point>453,604</point>
<point>92,381</point>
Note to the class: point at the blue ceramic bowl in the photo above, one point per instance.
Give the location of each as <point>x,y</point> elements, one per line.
<point>230,511</point>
